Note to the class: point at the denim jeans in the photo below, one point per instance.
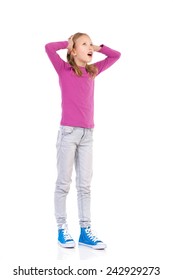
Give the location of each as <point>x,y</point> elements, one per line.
<point>74,148</point>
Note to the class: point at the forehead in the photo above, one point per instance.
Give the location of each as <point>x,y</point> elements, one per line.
<point>83,38</point>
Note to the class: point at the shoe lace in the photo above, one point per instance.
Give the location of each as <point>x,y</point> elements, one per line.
<point>90,235</point>
<point>66,235</point>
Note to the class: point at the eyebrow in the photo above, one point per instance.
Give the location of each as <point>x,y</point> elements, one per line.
<point>86,42</point>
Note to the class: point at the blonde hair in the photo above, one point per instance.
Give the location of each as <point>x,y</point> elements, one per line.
<point>90,68</point>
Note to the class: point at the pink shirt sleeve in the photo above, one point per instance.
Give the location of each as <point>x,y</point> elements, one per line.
<point>112,57</point>
<point>51,50</point>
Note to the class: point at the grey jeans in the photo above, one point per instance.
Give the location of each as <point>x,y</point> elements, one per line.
<point>74,148</point>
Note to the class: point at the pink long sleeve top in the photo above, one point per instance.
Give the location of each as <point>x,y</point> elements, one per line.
<point>77,92</point>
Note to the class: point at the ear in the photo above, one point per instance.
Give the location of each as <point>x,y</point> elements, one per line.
<point>73,52</point>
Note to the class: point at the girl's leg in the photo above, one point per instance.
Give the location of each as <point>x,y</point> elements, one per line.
<point>65,160</point>
<point>83,165</point>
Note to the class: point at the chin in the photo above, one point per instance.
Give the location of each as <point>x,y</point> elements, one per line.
<point>89,60</point>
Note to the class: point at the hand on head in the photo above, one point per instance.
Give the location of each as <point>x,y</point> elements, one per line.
<point>70,44</point>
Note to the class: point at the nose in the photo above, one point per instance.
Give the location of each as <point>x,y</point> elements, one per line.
<point>91,48</point>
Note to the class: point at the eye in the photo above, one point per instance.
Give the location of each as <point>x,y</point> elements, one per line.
<point>84,44</point>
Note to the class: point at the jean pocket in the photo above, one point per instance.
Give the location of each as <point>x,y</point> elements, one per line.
<point>67,130</point>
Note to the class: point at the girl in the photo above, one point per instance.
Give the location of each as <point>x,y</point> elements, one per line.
<point>75,137</point>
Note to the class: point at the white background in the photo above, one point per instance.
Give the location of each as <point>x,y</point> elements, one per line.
<point>133,152</point>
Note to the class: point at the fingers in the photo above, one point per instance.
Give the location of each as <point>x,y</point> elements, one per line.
<point>71,37</point>
<point>70,44</point>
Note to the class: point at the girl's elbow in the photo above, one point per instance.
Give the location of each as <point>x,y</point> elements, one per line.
<point>46,47</point>
<point>118,54</point>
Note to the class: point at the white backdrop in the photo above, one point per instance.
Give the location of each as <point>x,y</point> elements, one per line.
<point>133,153</point>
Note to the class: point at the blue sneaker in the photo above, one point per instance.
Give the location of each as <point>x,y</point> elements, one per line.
<point>88,239</point>
<point>64,238</point>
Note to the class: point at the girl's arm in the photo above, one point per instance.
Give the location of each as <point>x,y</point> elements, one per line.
<point>51,50</point>
<point>112,57</point>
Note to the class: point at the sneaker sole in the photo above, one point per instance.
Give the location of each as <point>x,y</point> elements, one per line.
<point>67,245</point>
<point>96,247</point>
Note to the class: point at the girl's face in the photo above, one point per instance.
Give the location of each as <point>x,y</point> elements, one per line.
<point>83,50</point>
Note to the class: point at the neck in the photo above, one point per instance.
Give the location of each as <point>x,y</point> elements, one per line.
<point>80,63</point>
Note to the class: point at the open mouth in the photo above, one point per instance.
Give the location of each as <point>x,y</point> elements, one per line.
<point>90,54</point>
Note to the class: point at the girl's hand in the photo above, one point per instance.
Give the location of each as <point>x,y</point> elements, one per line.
<point>96,48</point>
<point>70,44</point>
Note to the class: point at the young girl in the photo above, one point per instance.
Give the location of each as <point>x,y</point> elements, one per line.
<point>75,137</point>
